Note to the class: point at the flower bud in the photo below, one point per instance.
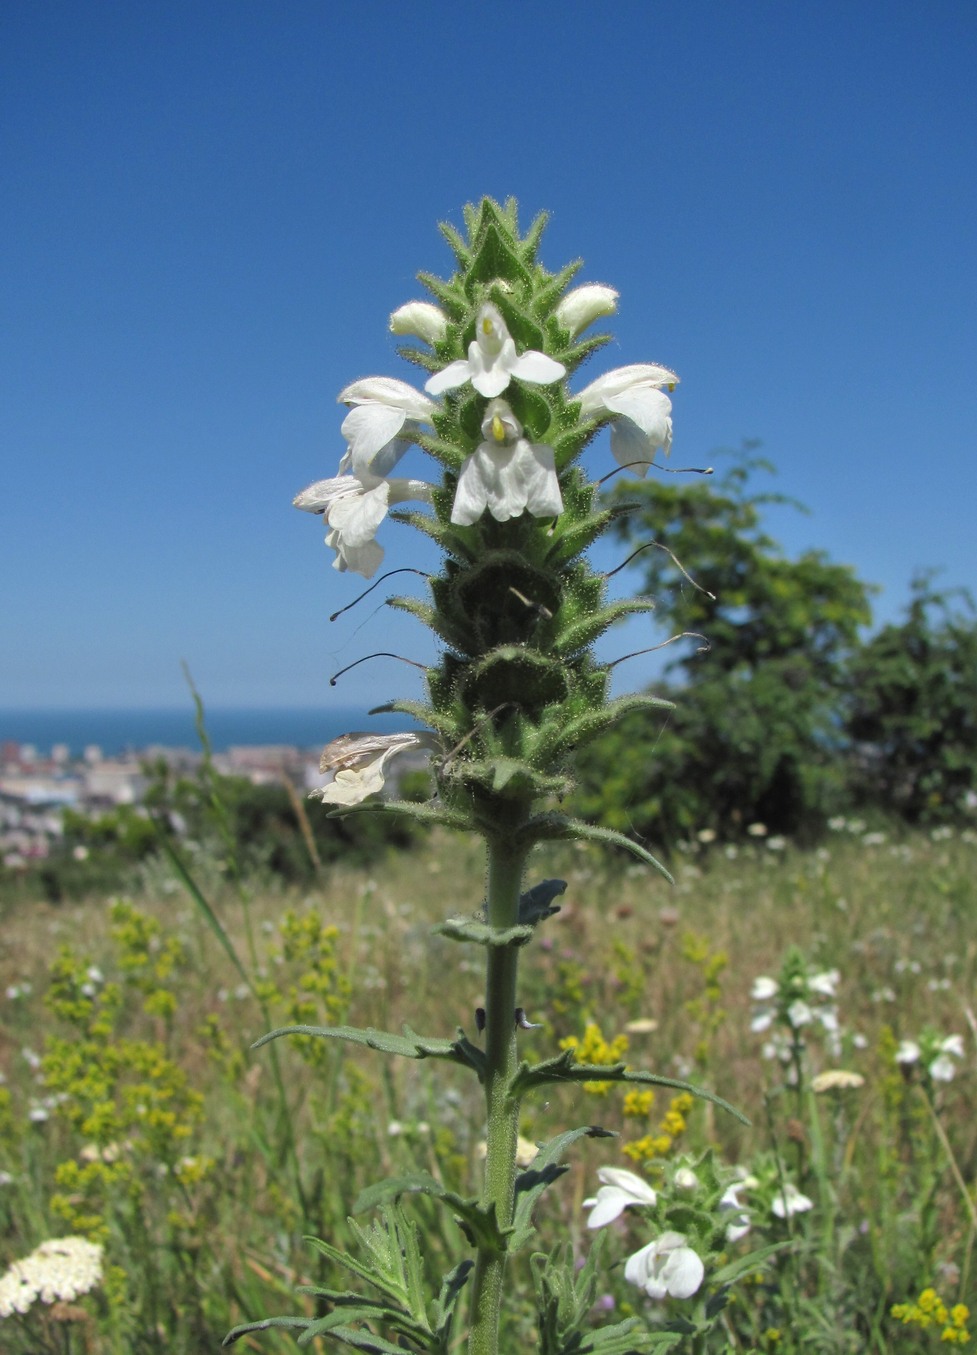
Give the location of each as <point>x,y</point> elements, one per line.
<point>419,320</point>
<point>584,305</point>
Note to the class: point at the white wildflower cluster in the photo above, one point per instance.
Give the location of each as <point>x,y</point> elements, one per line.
<point>801,997</point>
<point>669,1266</point>
<point>61,1268</point>
<point>933,1052</point>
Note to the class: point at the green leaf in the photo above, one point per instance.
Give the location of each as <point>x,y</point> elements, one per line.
<point>565,1068</point>
<point>558,826</point>
<point>482,1225</point>
<point>451,1289</point>
<point>358,1340</point>
<point>745,1264</point>
<point>422,813</point>
<point>467,929</point>
<point>409,1045</point>
<point>545,1168</point>
<point>292,1323</point>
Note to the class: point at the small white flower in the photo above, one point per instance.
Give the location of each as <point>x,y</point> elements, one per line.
<point>764,989</point>
<point>739,1226</point>
<point>825,984</point>
<point>492,361</point>
<point>640,410</point>
<point>354,506</point>
<point>581,307</point>
<point>685,1179</point>
<point>506,474</point>
<point>385,419</point>
<point>419,320</point>
<point>908,1052</point>
<point>790,1201</point>
<point>799,1013</point>
<point>666,1267</point>
<point>619,1189</point>
<point>356,763</point>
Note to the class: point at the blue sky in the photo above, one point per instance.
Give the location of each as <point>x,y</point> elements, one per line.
<point>213,207</point>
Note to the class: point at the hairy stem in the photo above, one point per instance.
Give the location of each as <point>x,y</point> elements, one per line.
<point>504,880</point>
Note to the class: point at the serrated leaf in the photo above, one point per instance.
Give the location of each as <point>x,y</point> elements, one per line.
<point>358,1340</point>
<point>451,1289</point>
<point>546,1168</point>
<point>291,1323</point>
<point>482,1224</point>
<point>565,1068</point>
<point>558,826</point>
<point>409,1045</point>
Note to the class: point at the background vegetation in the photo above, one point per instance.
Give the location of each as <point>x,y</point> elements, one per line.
<point>133,1112</point>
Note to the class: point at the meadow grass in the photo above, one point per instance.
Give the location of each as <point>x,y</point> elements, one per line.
<point>133,1113</point>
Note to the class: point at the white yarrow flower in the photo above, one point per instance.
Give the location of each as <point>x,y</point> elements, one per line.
<point>385,418</point>
<point>619,1189</point>
<point>640,410</point>
<point>356,762</point>
<point>492,361</point>
<point>581,307</point>
<point>62,1268</point>
<point>354,506</point>
<point>666,1267</point>
<point>506,474</point>
<point>419,320</point>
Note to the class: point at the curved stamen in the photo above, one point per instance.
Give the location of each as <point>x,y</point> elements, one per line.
<point>380,654</point>
<point>653,465</point>
<point>704,648</point>
<point>389,575</point>
<point>674,559</point>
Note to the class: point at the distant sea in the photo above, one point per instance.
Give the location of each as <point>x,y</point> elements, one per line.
<point>119,731</point>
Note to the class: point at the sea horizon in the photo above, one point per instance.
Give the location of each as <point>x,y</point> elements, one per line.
<point>117,729</point>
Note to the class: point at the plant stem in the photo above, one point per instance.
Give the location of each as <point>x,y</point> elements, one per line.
<point>505,868</point>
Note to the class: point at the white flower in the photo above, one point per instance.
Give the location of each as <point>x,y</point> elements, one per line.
<point>799,1013</point>
<point>764,989</point>
<point>419,320</point>
<point>619,1189</point>
<point>666,1267</point>
<point>908,1052</point>
<point>385,419</point>
<point>506,474</point>
<point>790,1201</point>
<point>640,409</point>
<point>492,361</point>
<point>62,1268</point>
<point>825,984</point>
<point>354,506</point>
<point>584,305</point>
<point>356,763</point>
<point>685,1179</point>
<point>739,1226</point>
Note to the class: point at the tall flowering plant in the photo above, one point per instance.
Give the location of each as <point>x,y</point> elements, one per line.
<point>516,608</point>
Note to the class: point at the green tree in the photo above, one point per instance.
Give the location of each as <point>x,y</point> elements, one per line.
<point>913,714</point>
<point>757,733</point>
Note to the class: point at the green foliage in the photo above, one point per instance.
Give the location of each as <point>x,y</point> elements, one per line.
<point>755,736</point>
<point>913,713</point>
